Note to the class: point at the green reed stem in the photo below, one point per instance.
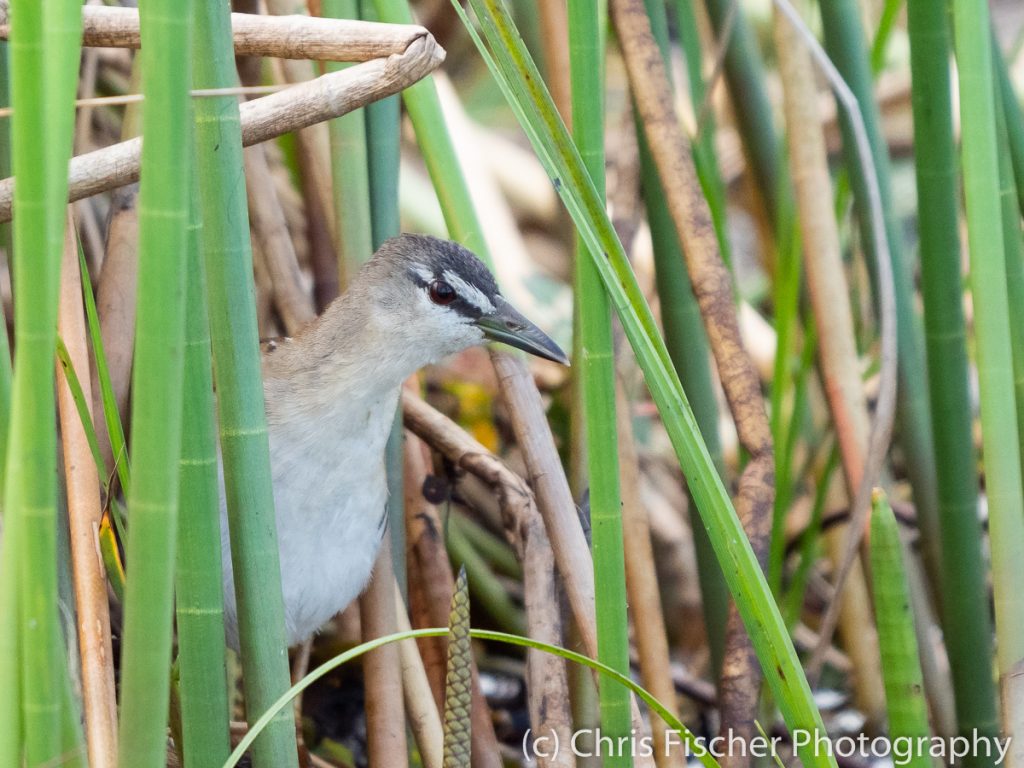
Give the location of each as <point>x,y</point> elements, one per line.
<point>199,585</point>
<point>596,363</point>
<point>966,621</point>
<point>243,427</point>
<point>158,378</point>
<point>1000,441</point>
<point>44,59</point>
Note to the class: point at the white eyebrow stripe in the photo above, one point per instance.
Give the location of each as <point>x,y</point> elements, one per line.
<point>470,293</point>
<point>424,274</point>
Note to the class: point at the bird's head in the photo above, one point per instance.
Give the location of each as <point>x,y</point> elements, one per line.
<point>437,294</point>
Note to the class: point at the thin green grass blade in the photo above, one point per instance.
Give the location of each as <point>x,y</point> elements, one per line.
<point>686,737</point>
<point>518,77</point>
<point>64,360</point>
<point>111,415</point>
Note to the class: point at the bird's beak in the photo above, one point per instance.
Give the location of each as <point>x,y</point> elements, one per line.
<point>506,324</point>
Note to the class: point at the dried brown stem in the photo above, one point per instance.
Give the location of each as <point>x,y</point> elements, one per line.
<point>712,287</point>
<point>84,512</point>
<point>268,223</point>
<point>325,98</point>
<point>546,677</point>
<point>288,37</point>
<point>428,556</point>
<point>382,668</point>
<point>554,500</point>
<point>642,586</point>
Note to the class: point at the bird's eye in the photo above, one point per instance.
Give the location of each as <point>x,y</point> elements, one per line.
<point>441,292</point>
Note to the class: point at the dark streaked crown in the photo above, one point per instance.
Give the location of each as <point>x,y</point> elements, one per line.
<point>426,260</point>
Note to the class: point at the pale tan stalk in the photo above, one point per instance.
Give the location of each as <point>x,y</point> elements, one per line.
<point>642,587</point>
<point>833,317</point>
<point>424,721</point>
<point>554,27</point>
<point>84,513</point>
<point>382,667</point>
<point>291,37</point>
<point>325,98</point>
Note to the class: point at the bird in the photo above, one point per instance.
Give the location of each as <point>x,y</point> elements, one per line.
<point>330,395</point>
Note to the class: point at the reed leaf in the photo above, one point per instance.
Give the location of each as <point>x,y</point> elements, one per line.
<point>518,77</point>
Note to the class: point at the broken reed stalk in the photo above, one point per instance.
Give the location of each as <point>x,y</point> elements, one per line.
<point>712,286</point>
<point>285,37</point>
<point>84,512</point>
<point>546,675</point>
<point>325,98</point>
<point>431,574</point>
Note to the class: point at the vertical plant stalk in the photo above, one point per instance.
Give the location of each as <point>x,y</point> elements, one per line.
<point>904,686</point>
<point>844,40</point>
<point>643,593</point>
<point>158,377</point>
<point>556,37</point>
<point>744,72</point>
<point>458,689</point>
<point>243,429</point>
<point>1014,253</point>
<point>712,285</point>
<point>596,368</point>
<point>353,207</point>
<point>687,343</point>
<point>833,317</point>
<point>44,57</point>
<point>84,512</point>
<point>966,622</point>
<point>385,712</point>
<point>432,574</point>
<point>1000,441</point>
<point>705,157</point>
<point>199,582</point>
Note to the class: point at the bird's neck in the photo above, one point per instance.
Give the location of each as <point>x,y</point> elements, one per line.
<point>341,362</point>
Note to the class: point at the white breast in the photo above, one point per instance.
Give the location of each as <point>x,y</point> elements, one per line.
<point>330,496</point>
